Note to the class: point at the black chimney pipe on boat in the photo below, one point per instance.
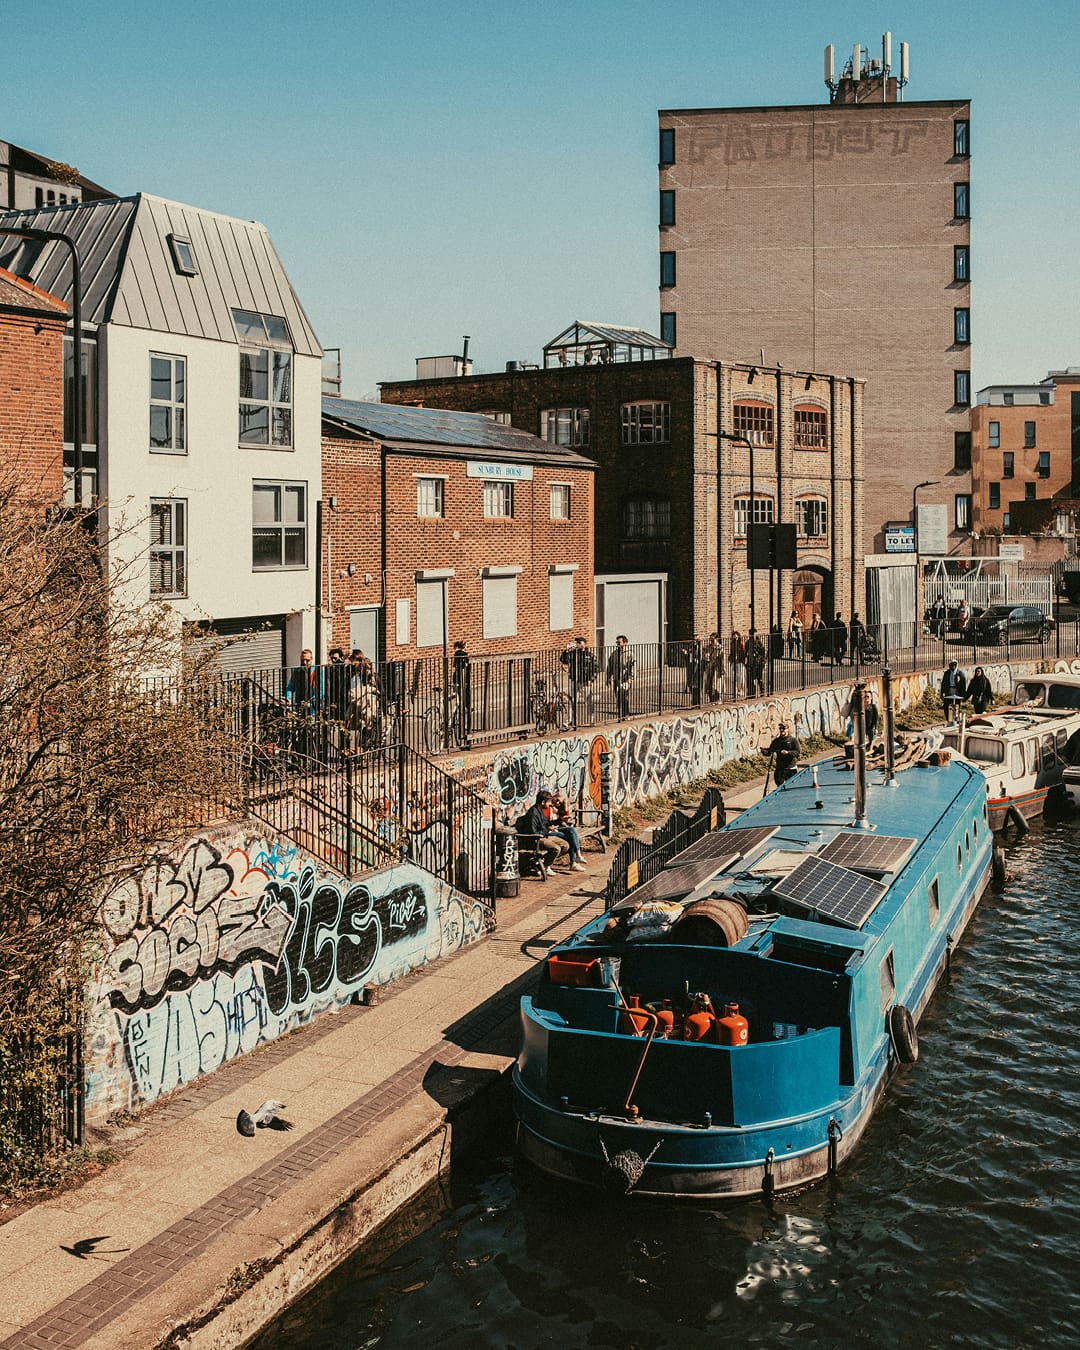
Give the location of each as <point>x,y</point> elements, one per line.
<point>890,727</point>
<point>858,731</point>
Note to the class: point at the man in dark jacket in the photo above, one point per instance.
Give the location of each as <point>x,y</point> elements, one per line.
<point>787,750</point>
<point>534,830</point>
<point>953,689</point>
<point>581,663</point>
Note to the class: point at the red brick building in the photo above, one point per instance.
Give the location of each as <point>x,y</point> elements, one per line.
<point>673,488</point>
<point>32,326</point>
<point>1025,456</point>
<point>441,527</point>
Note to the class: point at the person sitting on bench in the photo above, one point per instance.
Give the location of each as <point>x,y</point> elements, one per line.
<point>535,832</point>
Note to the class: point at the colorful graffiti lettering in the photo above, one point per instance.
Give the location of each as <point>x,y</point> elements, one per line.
<point>210,953</point>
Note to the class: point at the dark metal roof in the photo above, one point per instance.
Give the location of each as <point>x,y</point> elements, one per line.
<point>415,428</point>
<point>129,277</point>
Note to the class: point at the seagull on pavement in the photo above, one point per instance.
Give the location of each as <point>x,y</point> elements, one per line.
<point>267,1117</point>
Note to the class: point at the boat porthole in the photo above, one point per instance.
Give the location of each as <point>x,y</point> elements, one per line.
<point>986,813</point>
<point>959,859</point>
<point>974,828</point>
<point>967,844</point>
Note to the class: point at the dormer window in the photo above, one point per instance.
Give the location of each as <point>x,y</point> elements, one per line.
<point>183,255</point>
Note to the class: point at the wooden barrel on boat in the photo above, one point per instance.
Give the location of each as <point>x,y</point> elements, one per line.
<point>710,923</point>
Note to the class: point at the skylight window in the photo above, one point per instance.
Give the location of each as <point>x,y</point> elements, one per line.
<point>183,255</point>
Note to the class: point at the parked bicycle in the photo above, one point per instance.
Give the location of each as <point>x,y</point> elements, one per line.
<point>551,706</point>
<point>435,724</point>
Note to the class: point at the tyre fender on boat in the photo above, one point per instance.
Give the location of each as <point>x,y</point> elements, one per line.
<point>711,923</point>
<point>902,1033</point>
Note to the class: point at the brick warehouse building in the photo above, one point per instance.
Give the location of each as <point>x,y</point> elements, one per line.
<point>451,526</point>
<point>32,326</point>
<point>672,493</point>
<point>835,238</point>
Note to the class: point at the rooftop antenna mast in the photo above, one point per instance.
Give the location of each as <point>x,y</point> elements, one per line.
<point>862,68</point>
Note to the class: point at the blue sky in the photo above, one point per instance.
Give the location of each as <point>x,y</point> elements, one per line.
<point>433,169</point>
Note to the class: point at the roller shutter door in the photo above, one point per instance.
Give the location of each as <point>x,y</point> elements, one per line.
<point>256,643</point>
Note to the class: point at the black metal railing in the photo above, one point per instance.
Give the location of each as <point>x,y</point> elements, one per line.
<point>361,810</point>
<point>636,862</point>
<point>41,1087</point>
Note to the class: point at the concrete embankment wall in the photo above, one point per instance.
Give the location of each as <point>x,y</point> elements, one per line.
<point>240,936</point>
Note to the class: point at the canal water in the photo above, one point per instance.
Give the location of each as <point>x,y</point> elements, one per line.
<point>956,1223</point>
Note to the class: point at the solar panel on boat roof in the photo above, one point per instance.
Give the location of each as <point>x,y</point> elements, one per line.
<point>746,840</point>
<point>867,852</point>
<point>675,882</point>
<point>831,892</point>
<point>714,845</point>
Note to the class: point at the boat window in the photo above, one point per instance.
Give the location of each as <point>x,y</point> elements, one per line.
<point>1063,696</point>
<point>1033,755</point>
<point>984,749</point>
<point>967,844</point>
<point>974,828</point>
<point>1018,761</point>
<point>1048,751</point>
<point>933,900</point>
<point>1060,742</point>
<point>959,858</point>
<point>986,812</point>
<point>887,977</point>
<point>951,740</point>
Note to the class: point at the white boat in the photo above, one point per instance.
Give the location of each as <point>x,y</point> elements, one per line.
<point>1024,753</point>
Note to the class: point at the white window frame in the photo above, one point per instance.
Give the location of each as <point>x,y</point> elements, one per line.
<point>174,406</point>
<point>430,496</point>
<point>267,367</point>
<point>811,428</point>
<point>286,491</point>
<point>168,547</point>
<point>565,426</point>
<point>559,499</point>
<point>646,423</point>
<point>764,512</point>
<point>498,501</point>
<point>812,517</point>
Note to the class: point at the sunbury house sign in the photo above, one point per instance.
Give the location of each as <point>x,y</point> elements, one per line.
<point>483,468</point>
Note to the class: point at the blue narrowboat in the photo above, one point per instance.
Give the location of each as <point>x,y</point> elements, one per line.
<point>730,1027</point>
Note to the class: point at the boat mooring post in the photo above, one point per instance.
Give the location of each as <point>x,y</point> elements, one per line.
<point>890,727</point>
<point>858,731</point>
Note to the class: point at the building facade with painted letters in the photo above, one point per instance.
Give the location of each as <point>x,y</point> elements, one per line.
<point>834,238</point>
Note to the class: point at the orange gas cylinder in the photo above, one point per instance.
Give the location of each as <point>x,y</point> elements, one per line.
<point>699,1021</point>
<point>732,1029</point>
<point>633,1023</point>
<point>665,1018</point>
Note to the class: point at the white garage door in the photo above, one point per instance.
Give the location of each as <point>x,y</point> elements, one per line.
<point>633,608</point>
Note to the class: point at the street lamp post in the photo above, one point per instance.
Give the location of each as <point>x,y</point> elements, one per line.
<point>928,482</point>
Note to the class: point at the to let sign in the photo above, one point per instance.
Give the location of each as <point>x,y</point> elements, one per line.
<point>899,538</point>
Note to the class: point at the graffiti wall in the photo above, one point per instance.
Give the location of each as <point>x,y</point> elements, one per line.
<point>648,758</point>
<point>237,940</point>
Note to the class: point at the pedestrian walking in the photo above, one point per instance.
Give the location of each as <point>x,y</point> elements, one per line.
<point>695,670</point>
<point>953,689</point>
<point>795,636</point>
<point>737,651</point>
<point>818,638</point>
<point>755,663</point>
<point>462,677</point>
<point>787,751</point>
<point>839,638</point>
<point>979,691</point>
<point>620,675</point>
<point>580,662</point>
<point>714,675</point>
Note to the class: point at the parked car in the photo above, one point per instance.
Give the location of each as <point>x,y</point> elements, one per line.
<point>1012,623</point>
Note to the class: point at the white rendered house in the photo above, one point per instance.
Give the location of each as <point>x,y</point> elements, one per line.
<point>202,400</point>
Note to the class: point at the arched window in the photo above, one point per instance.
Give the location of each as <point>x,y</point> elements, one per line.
<point>763,513</point>
<point>812,517</point>
<point>754,420</point>
<point>811,428</point>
